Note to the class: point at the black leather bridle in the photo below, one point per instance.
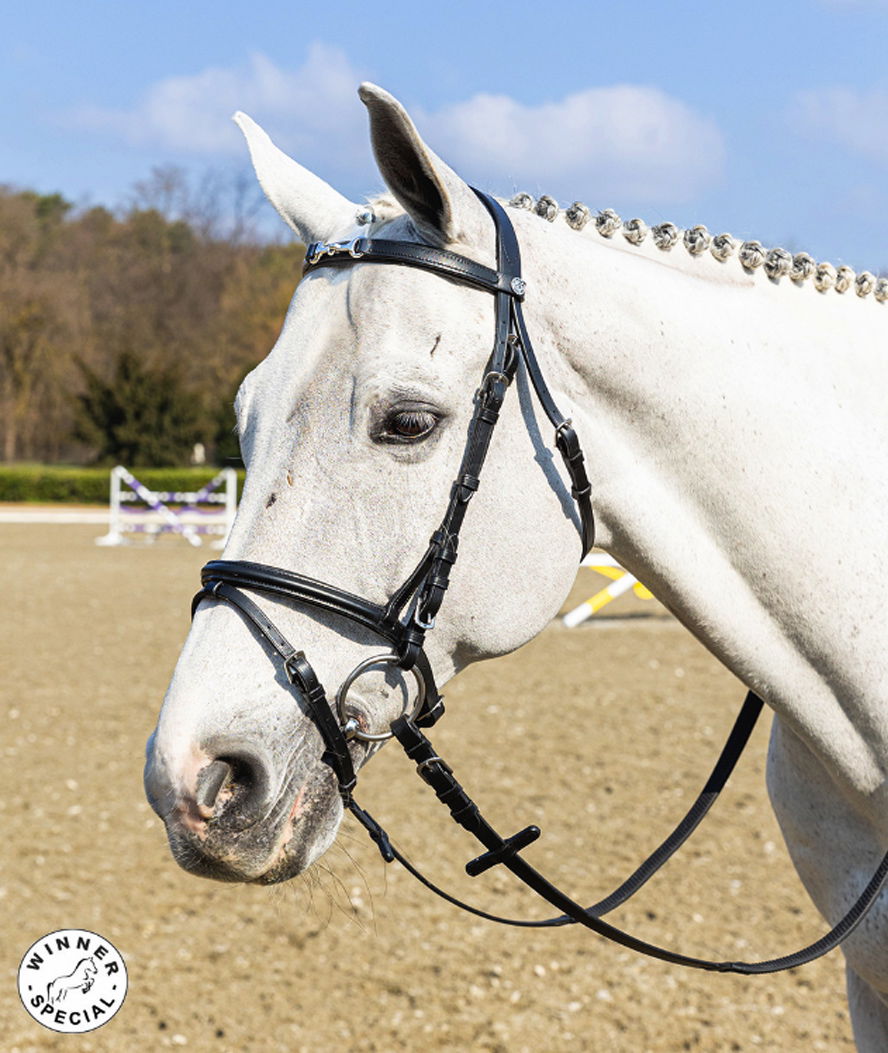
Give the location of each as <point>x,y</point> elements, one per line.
<point>410,614</point>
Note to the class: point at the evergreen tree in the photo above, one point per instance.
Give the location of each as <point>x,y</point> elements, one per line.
<point>143,416</point>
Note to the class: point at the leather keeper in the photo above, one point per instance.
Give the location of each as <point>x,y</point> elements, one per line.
<point>446,544</point>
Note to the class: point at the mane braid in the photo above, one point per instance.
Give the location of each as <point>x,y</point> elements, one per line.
<point>777,262</point>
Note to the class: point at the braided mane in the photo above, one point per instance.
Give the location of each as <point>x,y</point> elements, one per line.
<point>777,262</point>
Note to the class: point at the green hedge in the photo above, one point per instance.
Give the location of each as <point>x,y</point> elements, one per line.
<point>90,486</point>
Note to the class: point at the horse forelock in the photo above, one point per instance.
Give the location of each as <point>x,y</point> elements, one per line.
<point>378,211</point>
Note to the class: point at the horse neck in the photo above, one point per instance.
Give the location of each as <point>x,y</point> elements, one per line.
<point>736,441</point>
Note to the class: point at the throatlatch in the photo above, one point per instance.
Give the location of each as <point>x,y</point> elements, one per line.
<point>410,614</point>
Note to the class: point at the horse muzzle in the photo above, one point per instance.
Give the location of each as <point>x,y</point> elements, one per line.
<point>231,816</point>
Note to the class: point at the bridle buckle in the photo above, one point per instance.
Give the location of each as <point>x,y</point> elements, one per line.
<point>292,674</point>
<point>423,623</point>
<point>566,423</point>
<point>491,378</point>
<point>423,766</point>
<point>318,249</point>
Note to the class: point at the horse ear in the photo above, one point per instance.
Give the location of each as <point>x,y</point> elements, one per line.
<point>443,207</point>
<point>304,201</point>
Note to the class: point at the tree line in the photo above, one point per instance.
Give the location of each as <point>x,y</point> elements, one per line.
<point>124,335</point>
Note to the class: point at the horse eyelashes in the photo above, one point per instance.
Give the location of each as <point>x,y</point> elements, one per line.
<point>411,424</point>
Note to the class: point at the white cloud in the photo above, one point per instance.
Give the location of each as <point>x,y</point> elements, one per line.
<point>608,143</point>
<point>315,104</point>
<point>615,142</point>
<point>855,119</point>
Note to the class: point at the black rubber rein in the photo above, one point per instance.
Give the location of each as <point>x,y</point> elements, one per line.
<point>506,852</point>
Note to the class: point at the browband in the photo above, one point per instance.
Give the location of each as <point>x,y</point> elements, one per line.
<point>412,254</point>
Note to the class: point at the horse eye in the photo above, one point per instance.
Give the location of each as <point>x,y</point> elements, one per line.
<point>410,425</point>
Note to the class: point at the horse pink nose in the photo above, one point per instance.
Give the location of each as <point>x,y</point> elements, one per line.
<point>234,785</point>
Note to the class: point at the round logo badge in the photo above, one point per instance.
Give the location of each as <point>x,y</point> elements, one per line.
<point>72,980</point>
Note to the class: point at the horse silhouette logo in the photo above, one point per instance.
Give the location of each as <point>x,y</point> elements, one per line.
<point>82,976</point>
<point>72,981</point>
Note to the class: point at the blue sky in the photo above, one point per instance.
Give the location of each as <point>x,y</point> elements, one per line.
<point>769,120</point>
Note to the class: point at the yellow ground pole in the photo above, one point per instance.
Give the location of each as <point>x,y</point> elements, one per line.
<point>622,581</point>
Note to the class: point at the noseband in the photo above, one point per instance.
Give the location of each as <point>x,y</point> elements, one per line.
<point>410,613</point>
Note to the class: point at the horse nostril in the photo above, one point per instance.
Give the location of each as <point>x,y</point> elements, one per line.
<point>209,783</point>
<point>235,789</point>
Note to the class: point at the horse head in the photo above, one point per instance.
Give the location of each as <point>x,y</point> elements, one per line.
<point>352,430</point>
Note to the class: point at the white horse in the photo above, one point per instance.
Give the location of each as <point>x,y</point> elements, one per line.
<point>736,437</point>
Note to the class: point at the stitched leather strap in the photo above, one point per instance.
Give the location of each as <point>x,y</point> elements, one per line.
<point>223,579</point>
<point>508,286</point>
<point>566,439</point>
<point>298,672</point>
<point>289,585</point>
<point>412,254</point>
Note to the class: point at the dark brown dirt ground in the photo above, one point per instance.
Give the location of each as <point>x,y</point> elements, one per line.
<point>602,735</point>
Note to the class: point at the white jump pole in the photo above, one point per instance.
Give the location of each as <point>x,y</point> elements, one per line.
<point>230,476</point>
<point>623,581</point>
<point>599,600</point>
<point>114,536</point>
